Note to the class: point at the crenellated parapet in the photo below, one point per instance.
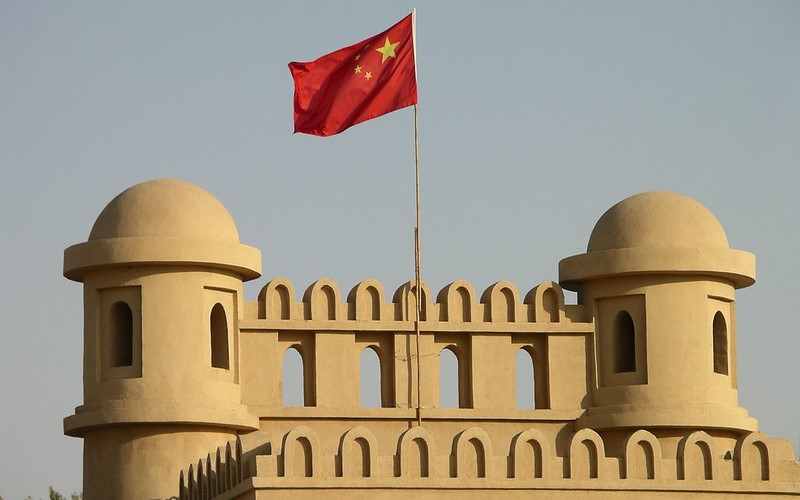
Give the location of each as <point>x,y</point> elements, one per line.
<point>473,459</point>
<point>456,303</point>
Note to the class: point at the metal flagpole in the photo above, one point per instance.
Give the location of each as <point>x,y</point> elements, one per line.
<point>417,279</point>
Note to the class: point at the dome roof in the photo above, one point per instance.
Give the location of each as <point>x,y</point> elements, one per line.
<point>658,233</point>
<point>165,208</point>
<point>657,219</point>
<point>163,222</point>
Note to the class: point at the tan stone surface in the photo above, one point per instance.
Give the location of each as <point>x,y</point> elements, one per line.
<point>636,385</point>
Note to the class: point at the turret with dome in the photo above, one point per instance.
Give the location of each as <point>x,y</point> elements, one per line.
<point>658,279</point>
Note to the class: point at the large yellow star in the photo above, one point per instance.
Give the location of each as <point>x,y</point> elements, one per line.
<point>387,50</point>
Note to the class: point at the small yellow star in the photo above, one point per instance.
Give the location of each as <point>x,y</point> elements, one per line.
<point>368,75</point>
<point>387,50</point>
<point>358,56</point>
<point>358,69</point>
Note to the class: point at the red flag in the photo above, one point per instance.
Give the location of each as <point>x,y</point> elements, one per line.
<point>356,83</point>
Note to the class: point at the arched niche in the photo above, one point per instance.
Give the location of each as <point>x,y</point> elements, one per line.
<point>530,455</point>
<point>222,473</point>
<point>367,300</point>
<point>642,456</point>
<point>696,454</point>
<point>191,485</point>
<point>455,383</point>
<point>183,491</point>
<point>322,299</point>
<point>500,302</point>
<point>276,300</point>
<point>472,450</point>
<point>358,453</point>
<point>416,451</point>
<point>218,326</point>
<point>230,466</point>
<point>752,458</point>
<point>720,343</point>
<point>372,391</point>
<point>546,302</point>
<point>405,299</point>
<point>457,302</point>
<point>586,455</point>
<point>299,453</point>
<point>202,484</point>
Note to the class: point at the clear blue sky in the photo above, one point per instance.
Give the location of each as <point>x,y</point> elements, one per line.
<point>534,119</point>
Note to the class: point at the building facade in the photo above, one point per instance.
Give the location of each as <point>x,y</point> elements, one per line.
<point>635,392</point>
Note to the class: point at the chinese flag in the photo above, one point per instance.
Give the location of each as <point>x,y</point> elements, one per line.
<point>356,83</point>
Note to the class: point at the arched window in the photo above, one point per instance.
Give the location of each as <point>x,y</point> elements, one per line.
<point>449,387</point>
<point>624,343</point>
<point>720,334</point>
<point>220,357</point>
<point>370,376</point>
<point>525,379</point>
<point>292,379</point>
<point>121,335</point>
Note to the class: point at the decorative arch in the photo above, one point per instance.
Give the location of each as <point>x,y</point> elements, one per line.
<point>642,456</point>
<point>530,443</point>
<point>276,300</point>
<point>547,301</point>
<point>372,357</point>
<point>222,476</point>
<point>405,298</point>
<point>289,377</point>
<point>463,382</point>
<point>350,444</point>
<point>500,302</point>
<point>191,485</point>
<point>300,452</point>
<point>586,455</point>
<point>367,298</point>
<point>239,463</point>
<point>322,299</point>
<point>229,466</point>
<point>457,302</point>
<point>751,458</point>
<point>421,439</point>
<point>696,454</point>
<point>202,485</point>
<point>473,438</point>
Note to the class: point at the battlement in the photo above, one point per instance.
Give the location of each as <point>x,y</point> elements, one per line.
<point>456,303</point>
<point>526,462</point>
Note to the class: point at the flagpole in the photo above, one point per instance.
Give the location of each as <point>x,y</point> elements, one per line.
<point>417,269</point>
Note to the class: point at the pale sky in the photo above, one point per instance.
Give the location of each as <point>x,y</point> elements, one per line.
<point>535,117</point>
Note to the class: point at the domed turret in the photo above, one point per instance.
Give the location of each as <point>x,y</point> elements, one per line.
<point>162,272</point>
<point>658,279</point>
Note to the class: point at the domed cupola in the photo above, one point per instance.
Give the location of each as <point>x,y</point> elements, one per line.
<point>658,279</point>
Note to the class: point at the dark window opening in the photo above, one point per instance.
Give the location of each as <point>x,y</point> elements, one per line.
<point>720,344</point>
<point>624,343</point>
<point>219,338</point>
<point>121,335</point>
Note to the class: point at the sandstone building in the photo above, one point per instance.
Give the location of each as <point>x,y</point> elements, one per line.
<point>635,385</point>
